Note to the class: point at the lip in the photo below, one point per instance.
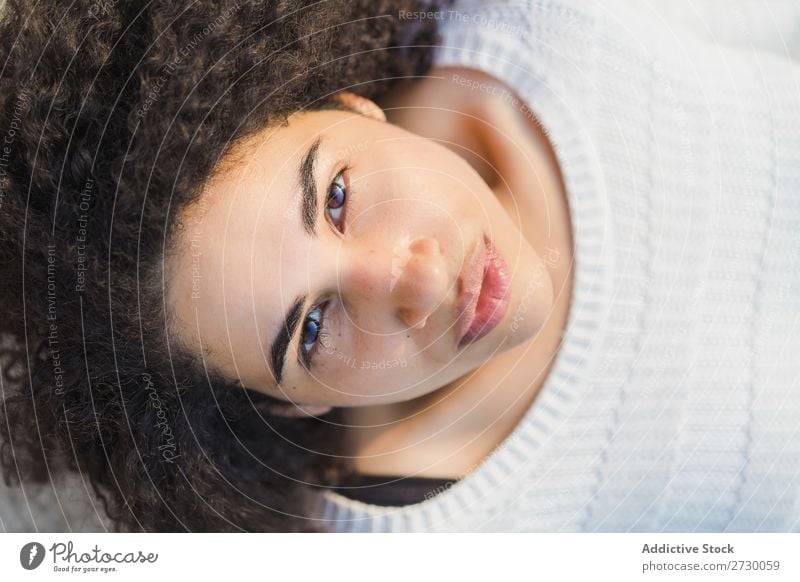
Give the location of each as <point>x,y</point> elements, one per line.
<point>483,295</point>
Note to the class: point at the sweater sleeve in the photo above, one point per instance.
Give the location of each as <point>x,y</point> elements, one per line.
<point>773,25</point>
<point>767,25</point>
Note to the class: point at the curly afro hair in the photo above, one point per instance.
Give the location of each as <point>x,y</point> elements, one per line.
<point>113,114</point>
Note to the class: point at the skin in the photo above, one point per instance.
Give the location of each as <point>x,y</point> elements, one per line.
<point>423,189</point>
<point>449,432</point>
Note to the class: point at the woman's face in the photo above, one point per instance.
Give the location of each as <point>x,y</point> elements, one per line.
<point>339,260</point>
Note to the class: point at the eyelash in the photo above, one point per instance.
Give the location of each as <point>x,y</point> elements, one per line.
<point>307,354</point>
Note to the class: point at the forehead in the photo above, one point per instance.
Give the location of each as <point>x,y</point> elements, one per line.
<point>236,266</point>
<point>269,160</point>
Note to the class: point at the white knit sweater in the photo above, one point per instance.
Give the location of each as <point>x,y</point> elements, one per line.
<point>674,401</point>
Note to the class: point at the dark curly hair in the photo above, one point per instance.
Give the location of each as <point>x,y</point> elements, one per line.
<point>113,114</point>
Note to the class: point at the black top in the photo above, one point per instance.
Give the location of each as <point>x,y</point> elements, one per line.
<point>393,491</point>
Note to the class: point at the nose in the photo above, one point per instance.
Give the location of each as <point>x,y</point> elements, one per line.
<point>419,283</point>
<point>408,278</point>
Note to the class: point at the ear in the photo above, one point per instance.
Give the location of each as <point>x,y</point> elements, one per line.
<point>360,105</point>
<point>294,410</point>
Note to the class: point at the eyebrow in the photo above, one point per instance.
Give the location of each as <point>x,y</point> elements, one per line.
<point>284,336</point>
<point>308,188</point>
<point>308,214</point>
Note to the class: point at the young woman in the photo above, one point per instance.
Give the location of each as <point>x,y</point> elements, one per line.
<point>276,267</point>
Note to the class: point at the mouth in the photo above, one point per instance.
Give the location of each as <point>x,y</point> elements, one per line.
<point>483,296</point>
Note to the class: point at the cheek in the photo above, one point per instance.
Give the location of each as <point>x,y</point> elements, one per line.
<point>400,213</point>
<point>407,187</point>
<point>382,210</point>
<point>448,180</point>
<point>375,366</point>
